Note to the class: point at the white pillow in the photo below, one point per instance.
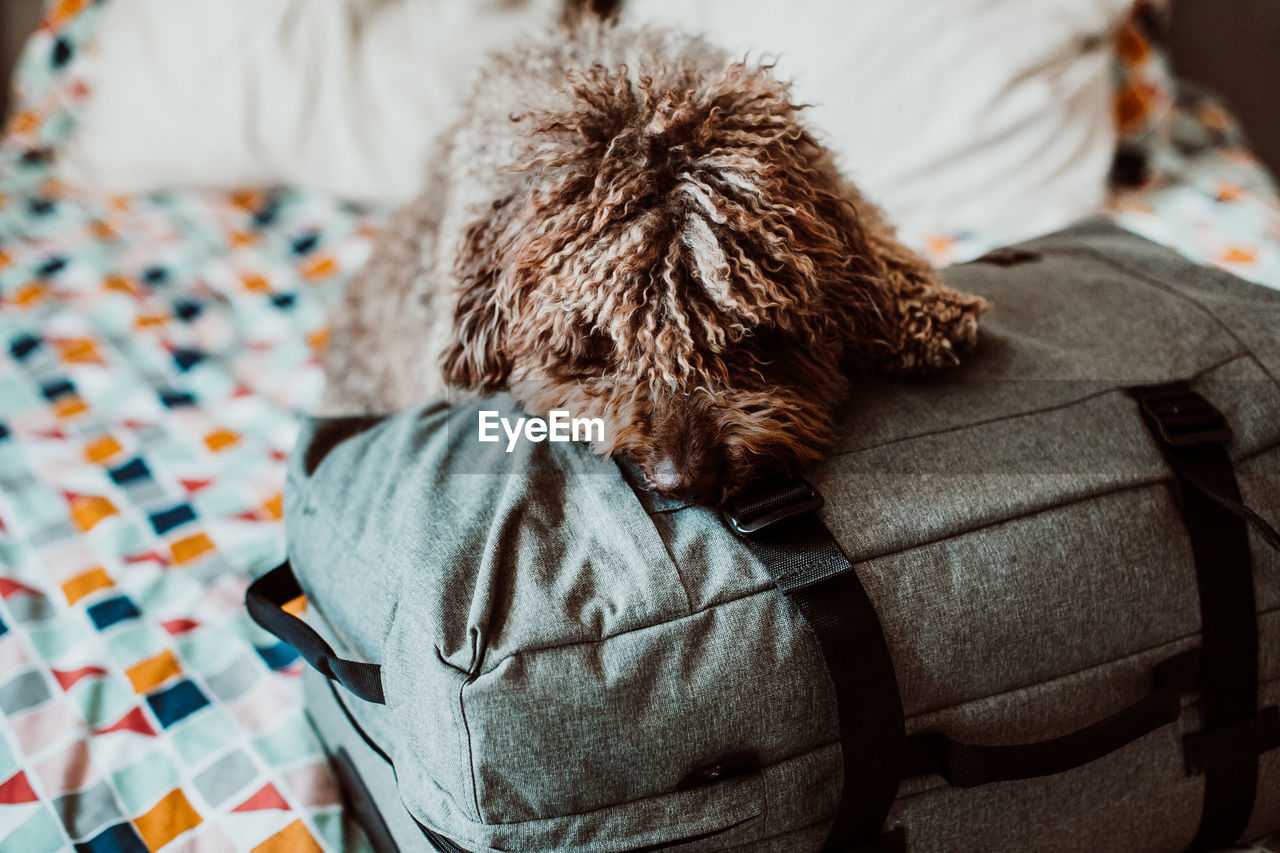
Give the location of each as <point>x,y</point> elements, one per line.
<point>982,116</point>
<point>341,96</point>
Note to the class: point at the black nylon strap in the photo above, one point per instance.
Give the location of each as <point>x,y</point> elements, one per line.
<point>360,800</point>
<point>807,564</point>
<point>265,600</point>
<point>969,765</point>
<point>1192,435</point>
<point>436,840</point>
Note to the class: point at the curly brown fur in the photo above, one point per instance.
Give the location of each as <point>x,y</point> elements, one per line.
<point>629,225</point>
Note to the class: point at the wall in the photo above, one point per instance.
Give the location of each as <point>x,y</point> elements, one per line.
<point>17,19</point>
<point>1234,48</point>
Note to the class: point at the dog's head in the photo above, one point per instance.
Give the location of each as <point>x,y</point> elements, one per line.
<point>681,261</point>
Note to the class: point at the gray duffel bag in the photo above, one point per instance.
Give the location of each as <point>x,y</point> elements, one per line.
<point>1039,610</point>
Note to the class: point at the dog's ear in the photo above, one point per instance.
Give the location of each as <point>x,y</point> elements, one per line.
<point>858,289</point>
<point>475,357</point>
<point>896,314</point>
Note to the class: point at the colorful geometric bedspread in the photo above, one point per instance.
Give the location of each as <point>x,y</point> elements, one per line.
<point>154,355</point>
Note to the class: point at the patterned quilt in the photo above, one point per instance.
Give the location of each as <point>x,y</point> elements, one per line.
<point>154,355</point>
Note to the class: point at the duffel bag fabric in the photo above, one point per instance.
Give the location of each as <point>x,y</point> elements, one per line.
<point>1040,607</point>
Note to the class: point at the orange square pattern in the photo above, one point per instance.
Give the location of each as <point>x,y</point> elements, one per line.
<point>321,267</point>
<point>294,838</point>
<point>153,671</point>
<point>65,10</point>
<point>188,549</point>
<point>79,351</point>
<point>116,282</point>
<point>29,294</point>
<point>274,507</point>
<point>219,439</point>
<point>167,819</point>
<point>101,230</point>
<point>84,583</point>
<point>88,510</point>
<point>101,448</point>
<point>69,406</point>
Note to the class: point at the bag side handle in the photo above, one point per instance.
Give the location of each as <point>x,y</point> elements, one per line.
<point>265,600</point>
<point>966,765</point>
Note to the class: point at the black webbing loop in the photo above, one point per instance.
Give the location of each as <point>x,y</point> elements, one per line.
<point>968,765</point>
<point>1206,749</point>
<point>1192,435</point>
<point>806,563</point>
<point>265,601</point>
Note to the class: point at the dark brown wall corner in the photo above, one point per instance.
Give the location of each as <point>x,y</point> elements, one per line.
<point>1233,48</point>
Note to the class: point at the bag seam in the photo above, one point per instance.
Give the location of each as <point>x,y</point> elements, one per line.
<point>996,522</point>
<point>1113,389</point>
<point>758,774</point>
<point>1150,280</point>
<point>672,563</point>
<point>1164,287</point>
<point>767,587</point>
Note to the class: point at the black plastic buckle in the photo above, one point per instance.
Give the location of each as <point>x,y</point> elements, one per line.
<point>767,504</point>
<point>1182,417</point>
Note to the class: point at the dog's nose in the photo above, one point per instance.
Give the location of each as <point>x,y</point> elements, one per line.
<point>685,483</point>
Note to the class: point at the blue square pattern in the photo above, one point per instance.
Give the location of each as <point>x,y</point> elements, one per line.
<point>39,205</point>
<point>107,613</point>
<point>130,472</point>
<point>186,358</point>
<point>120,838</point>
<point>174,399</point>
<point>187,310</point>
<point>63,50</point>
<point>177,702</point>
<point>22,346</point>
<point>279,655</point>
<point>306,243</point>
<point>168,519</point>
<point>55,388</point>
<point>53,265</point>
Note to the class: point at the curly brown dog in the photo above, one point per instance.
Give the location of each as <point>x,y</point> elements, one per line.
<point>630,225</point>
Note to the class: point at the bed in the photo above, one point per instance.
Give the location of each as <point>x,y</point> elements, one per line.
<point>156,352</point>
